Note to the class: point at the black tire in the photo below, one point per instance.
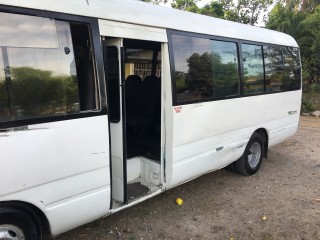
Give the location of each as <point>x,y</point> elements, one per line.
<point>251,160</point>
<point>19,222</point>
<point>231,167</point>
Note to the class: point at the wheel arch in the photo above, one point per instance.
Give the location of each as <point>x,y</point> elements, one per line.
<point>264,133</point>
<point>33,211</point>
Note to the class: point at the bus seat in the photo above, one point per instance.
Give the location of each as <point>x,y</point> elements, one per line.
<point>146,106</point>
<point>132,90</point>
<point>150,94</point>
<point>151,139</point>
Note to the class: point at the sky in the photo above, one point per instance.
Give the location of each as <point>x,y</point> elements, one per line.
<point>203,2</point>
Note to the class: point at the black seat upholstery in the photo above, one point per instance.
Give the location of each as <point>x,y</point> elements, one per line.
<point>149,98</point>
<point>142,118</point>
<point>133,91</point>
<point>151,139</point>
<point>141,106</point>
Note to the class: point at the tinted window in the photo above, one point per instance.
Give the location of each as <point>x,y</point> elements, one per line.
<point>292,77</point>
<point>204,68</point>
<point>253,69</point>
<point>41,70</point>
<point>273,68</point>
<point>113,78</point>
<point>225,69</point>
<point>4,101</point>
<point>193,68</point>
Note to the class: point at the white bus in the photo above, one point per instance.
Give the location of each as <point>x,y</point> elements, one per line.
<point>106,103</point>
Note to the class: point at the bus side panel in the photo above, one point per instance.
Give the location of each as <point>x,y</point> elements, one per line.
<point>72,211</point>
<point>209,136</point>
<point>60,167</point>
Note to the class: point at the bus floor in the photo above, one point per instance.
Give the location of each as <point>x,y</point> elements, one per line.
<point>136,189</point>
<point>148,147</point>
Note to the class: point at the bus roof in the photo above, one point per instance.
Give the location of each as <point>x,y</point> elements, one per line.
<point>130,11</point>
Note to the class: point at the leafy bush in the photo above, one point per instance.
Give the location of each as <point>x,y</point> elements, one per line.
<point>307,105</point>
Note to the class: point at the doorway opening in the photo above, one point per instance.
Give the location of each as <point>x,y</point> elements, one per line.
<point>143,117</point>
<point>133,70</point>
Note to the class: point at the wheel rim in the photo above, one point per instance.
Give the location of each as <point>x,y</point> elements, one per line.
<point>254,155</point>
<point>11,232</point>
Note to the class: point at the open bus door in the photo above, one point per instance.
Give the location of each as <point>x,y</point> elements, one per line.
<point>115,89</point>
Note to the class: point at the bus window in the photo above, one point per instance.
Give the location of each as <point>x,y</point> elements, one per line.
<point>4,103</point>
<point>84,58</point>
<point>225,69</point>
<point>292,78</point>
<point>273,68</point>
<point>193,68</point>
<point>204,68</point>
<point>41,70</point>
<point>253,69</point>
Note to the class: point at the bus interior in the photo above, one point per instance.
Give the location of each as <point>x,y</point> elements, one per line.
<point>139,99</point>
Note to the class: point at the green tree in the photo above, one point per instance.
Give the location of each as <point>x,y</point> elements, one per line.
<point>186,5</point>
<point>303,24</point>
<point>285,20</point>
<point>245,11</point>
<point>301,5</point>
<point>311,53</point>
<point>213,9</point>
<point>155,1</point>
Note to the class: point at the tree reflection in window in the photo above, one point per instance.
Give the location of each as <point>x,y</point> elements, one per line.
<point>4,103</point>
<point>292,71</point>
<point>204,68</point>
<point>37,92</point>
<point>253,69</point>
<point>225,69</point>
<point>39,76</point>
<point>273,68</point>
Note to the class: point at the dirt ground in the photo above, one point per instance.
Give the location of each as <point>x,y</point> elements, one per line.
<point>282,201</point>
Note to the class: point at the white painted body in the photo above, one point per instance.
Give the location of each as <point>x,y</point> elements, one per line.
<point>144,14</point>
<point>219,131</point>
<point>59,167</point>
<point>63,168</point>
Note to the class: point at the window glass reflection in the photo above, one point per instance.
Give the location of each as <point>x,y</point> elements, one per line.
<point>204,68</point>
<point>4,103</point>
<point>273,68</point>
<point>41,80</point>
<point>292,77</point>
<point>27,31</point>
<point>225,68</point>
<point>193,68</point>
<point>253,69</point>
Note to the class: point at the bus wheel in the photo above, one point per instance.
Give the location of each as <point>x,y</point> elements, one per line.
<point>251,159</point>
<point>17,225</point>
